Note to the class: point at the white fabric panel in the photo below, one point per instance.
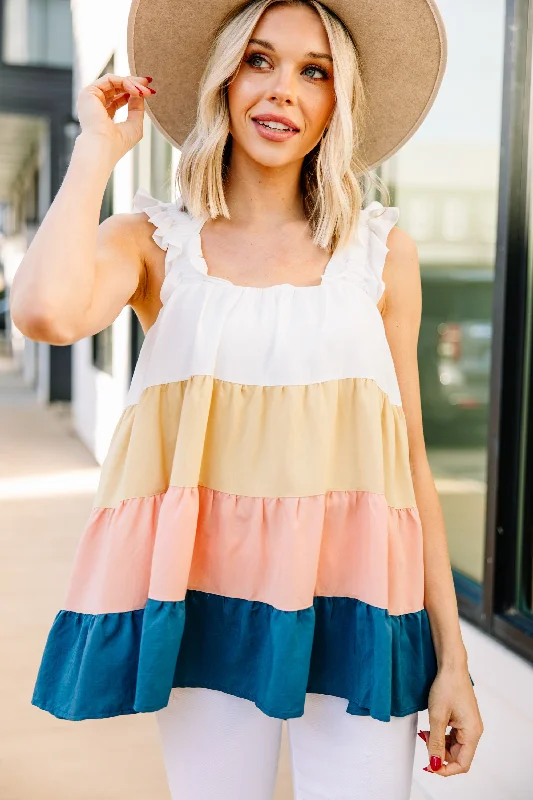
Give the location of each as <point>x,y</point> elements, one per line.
<point>216,745</point>
<point>278,335</point>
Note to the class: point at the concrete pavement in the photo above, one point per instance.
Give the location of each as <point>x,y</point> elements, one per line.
<point>47,478</point>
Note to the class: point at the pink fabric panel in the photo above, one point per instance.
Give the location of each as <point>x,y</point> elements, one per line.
<point>258,548</point>
<point>125,551</point>
<point>111,570</point>
<point>406,561</point>
<point>174,544</point>
<point>280,551</point>
<point>372,552</point>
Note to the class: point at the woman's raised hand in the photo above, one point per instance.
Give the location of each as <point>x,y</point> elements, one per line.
<point>99,101</point>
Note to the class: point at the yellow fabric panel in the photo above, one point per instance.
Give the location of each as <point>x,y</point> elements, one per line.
<point>260,441</point>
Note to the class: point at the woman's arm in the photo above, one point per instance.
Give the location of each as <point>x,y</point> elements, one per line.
<point>77,275</point>
<point>452,700</point>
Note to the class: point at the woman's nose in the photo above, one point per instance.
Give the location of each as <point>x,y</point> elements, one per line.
<point>283,88</point>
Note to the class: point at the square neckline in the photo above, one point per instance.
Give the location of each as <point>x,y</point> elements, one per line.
<point>199,262</point>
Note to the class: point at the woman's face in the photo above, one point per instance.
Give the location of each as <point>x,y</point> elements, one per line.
<point>282,95</point>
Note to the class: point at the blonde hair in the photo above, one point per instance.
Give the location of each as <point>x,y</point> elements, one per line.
<point>333,174</point>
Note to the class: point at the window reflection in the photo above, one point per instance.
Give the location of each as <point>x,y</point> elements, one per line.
<point>445,182</point>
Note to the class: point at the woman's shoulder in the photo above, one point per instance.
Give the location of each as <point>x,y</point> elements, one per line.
<point>401,244</point>
<point>400,271</point>
<point>402,257</point>
<point>383,246</point>
<point>379,219</point>
<point>150,221</point>
<point>173,224</point>
<point>144,201</point>
<point>382,221</point>
<point>163,214</point>
<point>383,236</point>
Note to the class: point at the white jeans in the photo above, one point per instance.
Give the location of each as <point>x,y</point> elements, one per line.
<point>220,747</point>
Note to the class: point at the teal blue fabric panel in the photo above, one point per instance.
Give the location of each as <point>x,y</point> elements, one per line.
<point>93,667</point>
<point>109,664</point>
<point>161,637</point>
<point>249,649</point>
<point>384,665</point>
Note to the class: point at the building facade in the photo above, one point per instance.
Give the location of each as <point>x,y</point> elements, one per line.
<point>35,130</point>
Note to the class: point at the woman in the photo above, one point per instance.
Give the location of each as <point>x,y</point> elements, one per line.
<point>266,534</point>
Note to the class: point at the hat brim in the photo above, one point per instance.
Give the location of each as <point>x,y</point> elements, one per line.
<point>401,46</point>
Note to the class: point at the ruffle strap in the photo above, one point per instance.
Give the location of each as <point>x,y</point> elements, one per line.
<point>378,220</point>
<point>172,226</point>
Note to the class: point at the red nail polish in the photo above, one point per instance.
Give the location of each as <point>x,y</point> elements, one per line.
<point>426,769</point>
<point>435,763</point>
<point>148,79</point>
<point>422,736</point>
<point>152,90</point>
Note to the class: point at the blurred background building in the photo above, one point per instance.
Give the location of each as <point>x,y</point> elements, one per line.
<point>462,185</point>
<point>35,124</point>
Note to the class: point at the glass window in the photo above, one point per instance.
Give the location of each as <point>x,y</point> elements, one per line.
<point>37,32</point>
<point>445,182</point>
<point>524,598</point>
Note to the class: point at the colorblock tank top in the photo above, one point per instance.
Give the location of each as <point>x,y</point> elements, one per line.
<point>255,529</point>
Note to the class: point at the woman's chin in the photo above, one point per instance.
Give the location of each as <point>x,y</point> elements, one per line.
<point>272,155</point>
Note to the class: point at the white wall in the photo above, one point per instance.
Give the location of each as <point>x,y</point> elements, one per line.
<point>97,397</point>
<point>99,29</point>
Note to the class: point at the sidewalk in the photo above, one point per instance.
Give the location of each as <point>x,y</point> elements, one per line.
<point>47,481</point>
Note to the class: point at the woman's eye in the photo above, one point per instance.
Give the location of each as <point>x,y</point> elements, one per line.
<point>318,73</point>
<point>256,60</point>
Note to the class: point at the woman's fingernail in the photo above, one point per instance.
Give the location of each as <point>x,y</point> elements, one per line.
<point>148,79</point>
<point>152,90</point>
<point>422,736</point>
<point>426,769</point>
<point>435,762</point>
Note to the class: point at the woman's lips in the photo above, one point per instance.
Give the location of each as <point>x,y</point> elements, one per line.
<point>273,134</point>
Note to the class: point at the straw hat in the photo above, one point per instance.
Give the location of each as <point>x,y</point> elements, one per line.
<point>401,46</point>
